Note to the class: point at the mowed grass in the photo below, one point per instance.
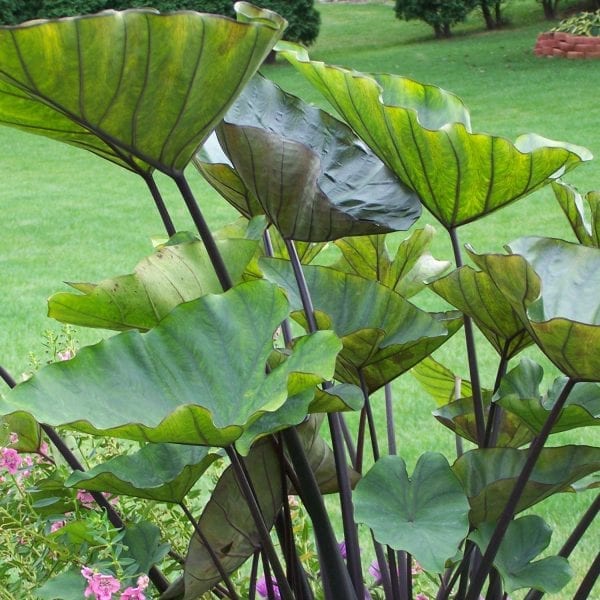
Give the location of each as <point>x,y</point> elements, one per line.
<point>69,216</point>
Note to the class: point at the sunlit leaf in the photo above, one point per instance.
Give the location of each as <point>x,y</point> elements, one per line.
<point>423,134</point>
<point>553,287</point>
<point>162,472</point>
<point>475,294</point>
<point>525,539</point>
<point>440,382</point>
<point>383,334</point>
<point>426,515</point>
<point>197,378</point>
<point>572,203</point>
<point>312,177</point>
<point>174,274</point>
<point>138,88</point>
<point>406,273</point>
<point>489,475</point>
<point>27,429</point>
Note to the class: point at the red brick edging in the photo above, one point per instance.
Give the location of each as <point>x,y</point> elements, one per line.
<point>566,45</point>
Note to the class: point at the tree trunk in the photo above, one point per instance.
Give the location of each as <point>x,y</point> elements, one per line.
<point>437,28</point>
<point>550,8</point>
<point>498,11</point>
<point>446,30</point>
<point>487,15</point>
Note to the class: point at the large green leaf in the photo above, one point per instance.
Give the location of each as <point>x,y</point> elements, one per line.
<point>138,88</point>
<point>525,539</point>
<point>227,524</point>
<point>27,429</point>
<point>572,203</point>
<point>423,134</point>
<point>162,472</point>
<point>553,286</point>
<point>489,475</point>
<point>475,294</point>
<point>519,394</point>
<point>406,273</point>
<point>304,169</point>
<point>383,334</point>
<point>175,273</point>
<point>197,378</point>
<point>425,515</point>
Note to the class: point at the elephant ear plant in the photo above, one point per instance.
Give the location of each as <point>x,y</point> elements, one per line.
<point>235,345</point>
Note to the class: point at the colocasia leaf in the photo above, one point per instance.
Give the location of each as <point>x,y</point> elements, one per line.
<point>312,177</point>
<point>572,203</point>
<point>423,134</point>
<point>138,88</point>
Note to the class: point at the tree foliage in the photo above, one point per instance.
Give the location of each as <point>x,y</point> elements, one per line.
<point>440,14</point>
<point>303,19</point>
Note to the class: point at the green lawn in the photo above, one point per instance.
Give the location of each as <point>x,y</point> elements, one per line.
<point>68,216</point>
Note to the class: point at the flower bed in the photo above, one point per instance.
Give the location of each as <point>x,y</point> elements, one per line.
<point>567,45</point>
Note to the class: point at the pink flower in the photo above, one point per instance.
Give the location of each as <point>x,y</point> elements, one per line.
<point>66,355</point>
<point>136,593</point>
<point>86,499</point>
<point>10,460</point>
<point>13,437</point>
<point>421,597</point>
<point>342,549</point>
<point>416,568</point>
<point>102,586</point>
<point>57,525</point>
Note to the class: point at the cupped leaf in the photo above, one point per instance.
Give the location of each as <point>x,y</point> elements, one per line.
<point>383,334</point>
<point>489,475</point>
<point>459,417</point>
<point>227,524</point>
<point>475,294</point>
<point>162,472</point>
<point>425,515</point>
<point>553,286</point>
<point>440,382</point>
<point>519,394</point>
<point>572,203</point>
<point>174,274</point>
<point>141,89</point>
<point>197,378</point>
<point>406,273</point>
<point>423,134</point>
<point>304,169</point>
<point>525,539</point>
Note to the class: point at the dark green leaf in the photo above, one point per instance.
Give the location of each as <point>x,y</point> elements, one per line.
<point>197,378</point>
<point>459,417</point>
<point>553,286</point>
<point>525,539</point>
<point>227,524</point>
<point>425,515</point>
<point>489,475</point>
<point>383,334</point>
<point>423,134</point>
<point>69,585</point>
<point>162,472</point>
<point>144,545</point>
<point>305,170</point>
<point>572,203</point>
<point>406,273</point>
<point>519,393</point>
<point>174,274</point>
<point>138,88</point>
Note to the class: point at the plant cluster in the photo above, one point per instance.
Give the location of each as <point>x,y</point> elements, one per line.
<point>251,343</point>
<point>583,23</point>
